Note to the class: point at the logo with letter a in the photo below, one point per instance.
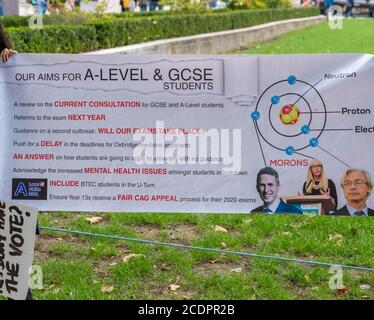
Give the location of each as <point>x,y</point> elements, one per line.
<point>29,189</point>
<point>21,189</point>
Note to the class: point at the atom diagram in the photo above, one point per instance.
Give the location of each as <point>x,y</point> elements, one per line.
<point>290,115</point>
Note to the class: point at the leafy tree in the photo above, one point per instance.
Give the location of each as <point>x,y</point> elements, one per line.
<point>258,4</point>
<point>186,5</point>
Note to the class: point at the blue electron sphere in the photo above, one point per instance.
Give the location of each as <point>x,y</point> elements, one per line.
<point>291,79</point>
<point>255,115</point>
<point>313,142</point>
<point>305,129</point>
<point>290,150</point>
<point>275,100</point>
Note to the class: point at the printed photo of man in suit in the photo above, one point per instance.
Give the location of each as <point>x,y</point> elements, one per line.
<point>268,187</point>
<point>357,186</point>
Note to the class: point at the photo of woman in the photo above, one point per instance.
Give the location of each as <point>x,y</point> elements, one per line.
<point>318,184</point>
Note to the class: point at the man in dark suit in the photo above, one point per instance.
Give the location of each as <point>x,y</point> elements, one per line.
<point>268,187</point>
<point>357,186</point>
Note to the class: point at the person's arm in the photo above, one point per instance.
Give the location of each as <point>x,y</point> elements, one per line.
<point>7,53</point>
<point>333,193</point>
<point>304,189</point>
<point>6,50</point>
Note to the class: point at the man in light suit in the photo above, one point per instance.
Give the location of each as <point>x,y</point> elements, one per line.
<point>268,187</point>
<point>357,186</point>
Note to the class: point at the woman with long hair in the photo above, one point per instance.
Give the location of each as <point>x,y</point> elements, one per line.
<point>5,46</point>
<point>318,184</point>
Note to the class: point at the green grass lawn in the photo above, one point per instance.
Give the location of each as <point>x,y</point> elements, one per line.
<point>357,36</point>
<point>81,267</point>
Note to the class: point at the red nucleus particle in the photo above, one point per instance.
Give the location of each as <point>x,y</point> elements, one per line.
<point>287,109</point>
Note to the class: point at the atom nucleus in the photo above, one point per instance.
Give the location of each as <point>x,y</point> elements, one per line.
<point>289,114</point>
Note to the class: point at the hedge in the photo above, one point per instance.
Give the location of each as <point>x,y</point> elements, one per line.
<point>14,21</point>
<point>113,32</point>
<point>54,39</point>
<point>70,17</point>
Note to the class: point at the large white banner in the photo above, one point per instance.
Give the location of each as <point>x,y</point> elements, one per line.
<point>150,133</point>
